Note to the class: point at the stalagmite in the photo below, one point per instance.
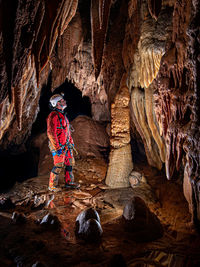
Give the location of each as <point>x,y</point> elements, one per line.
<point>120,159</point>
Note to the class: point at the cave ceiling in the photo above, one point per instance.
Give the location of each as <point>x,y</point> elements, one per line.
<point>142,53</point>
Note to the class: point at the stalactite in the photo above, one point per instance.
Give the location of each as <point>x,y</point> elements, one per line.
<point>140,120</point>
<point>154,8</point>
<point>101,9</point>
<point>179,149</point>
<point>150,48</point>
<point>149,105</point>
<point>37,53</point>
<point>149,65</point>
<point>6,115</point>
<point>169,161</point>
<point>55,24</point>
<point>68,15</point>
<point>16,91</point>
<point>98,32</point>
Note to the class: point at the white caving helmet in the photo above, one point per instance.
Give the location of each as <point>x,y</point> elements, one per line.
<point>54,99</point>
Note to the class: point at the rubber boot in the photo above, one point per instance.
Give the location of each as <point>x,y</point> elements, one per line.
<point>53,182</point>
<point>69,181</point>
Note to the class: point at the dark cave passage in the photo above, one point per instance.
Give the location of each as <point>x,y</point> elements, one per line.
<point>20,167</point>
<point>76,104</point>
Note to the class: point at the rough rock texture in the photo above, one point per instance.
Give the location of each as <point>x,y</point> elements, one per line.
<point>88,225</point>
<point>26,42</point>
<point>120,166</point>
<point>19,240</point>
<point>177,97</point>
<point>120,161</point>
<point>139,116</point>
<point>72,60</point>
<point>152,46</point>
<point>90,137</point>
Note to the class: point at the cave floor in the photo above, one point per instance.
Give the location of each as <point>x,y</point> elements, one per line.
<point>25,242</point>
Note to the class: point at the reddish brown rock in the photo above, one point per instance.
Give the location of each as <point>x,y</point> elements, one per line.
<point>90,137</point>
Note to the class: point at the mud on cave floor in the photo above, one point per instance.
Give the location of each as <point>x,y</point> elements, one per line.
<point>26,242</point>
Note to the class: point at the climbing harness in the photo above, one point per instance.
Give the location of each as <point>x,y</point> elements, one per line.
<point>70,146</point>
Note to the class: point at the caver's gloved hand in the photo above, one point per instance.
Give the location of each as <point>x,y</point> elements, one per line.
<point>59,152</point>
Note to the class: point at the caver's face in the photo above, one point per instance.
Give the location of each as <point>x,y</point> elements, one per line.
<point>61,104</point>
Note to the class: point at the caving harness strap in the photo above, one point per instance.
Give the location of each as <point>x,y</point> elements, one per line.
<point>70,146</point>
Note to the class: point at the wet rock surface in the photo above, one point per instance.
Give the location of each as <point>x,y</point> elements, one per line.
<point>38,242</point>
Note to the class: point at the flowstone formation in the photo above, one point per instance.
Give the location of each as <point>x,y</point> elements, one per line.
<point>177,101</point>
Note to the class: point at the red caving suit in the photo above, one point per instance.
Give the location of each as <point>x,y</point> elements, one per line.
<point>59,134</point>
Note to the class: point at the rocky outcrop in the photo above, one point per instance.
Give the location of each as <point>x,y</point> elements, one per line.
<point>90,137</point>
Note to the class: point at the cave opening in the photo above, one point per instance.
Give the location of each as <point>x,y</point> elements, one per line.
<point>25,164</point>
<point>76,104</point>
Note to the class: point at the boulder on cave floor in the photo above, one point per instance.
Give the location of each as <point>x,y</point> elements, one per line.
<point>88,225</point>
<point>141,187</point>
<point>140,221</point>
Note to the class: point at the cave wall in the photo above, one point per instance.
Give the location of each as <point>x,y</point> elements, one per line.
<point>137,59</point>
<point>28,32</point>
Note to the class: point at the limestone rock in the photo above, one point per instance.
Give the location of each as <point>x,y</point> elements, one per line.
<point>50,221</point>
<point>136,178</point>
<point>88,225</point>
<point>90,137</point>
<point>139,220</point>
<point>120,166</point>
<point>129,211</point>
<point>139,117</point>
<point>141,188</point>
<point>120,119</point>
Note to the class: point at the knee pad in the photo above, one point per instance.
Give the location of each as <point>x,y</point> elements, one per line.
<point>68,168</point>
<point>56,170</point>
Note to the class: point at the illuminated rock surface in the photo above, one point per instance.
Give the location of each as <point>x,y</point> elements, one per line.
<point>53,244</point>
<point>138,65</point>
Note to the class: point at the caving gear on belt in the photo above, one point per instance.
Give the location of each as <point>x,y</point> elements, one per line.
<point>61,145</point>
<point>59,134</point>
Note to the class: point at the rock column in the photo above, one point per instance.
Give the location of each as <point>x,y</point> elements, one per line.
<point>120,160</point>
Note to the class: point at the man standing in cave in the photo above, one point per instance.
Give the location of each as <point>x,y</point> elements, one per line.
<point>60,143</point>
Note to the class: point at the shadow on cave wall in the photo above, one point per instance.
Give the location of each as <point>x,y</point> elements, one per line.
<point>19,167</point>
